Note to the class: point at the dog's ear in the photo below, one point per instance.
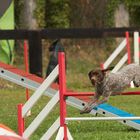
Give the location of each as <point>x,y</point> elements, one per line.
<point>108,69</point>
<point>111,68</point>
<point>90,74</point>
<point>92,77</point>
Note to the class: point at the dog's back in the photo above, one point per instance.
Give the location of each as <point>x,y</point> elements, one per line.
<point>107,83</point>
<point>118,81</point>
<point>130,69</point>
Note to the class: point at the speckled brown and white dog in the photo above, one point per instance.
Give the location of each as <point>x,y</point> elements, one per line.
<point>107,83</point>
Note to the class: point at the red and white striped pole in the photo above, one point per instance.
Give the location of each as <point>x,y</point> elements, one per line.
<point>128,47</point>
<point>62,92</point>
<point>20,120</point>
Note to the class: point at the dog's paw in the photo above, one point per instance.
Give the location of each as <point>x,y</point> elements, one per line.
<point>85,110</point>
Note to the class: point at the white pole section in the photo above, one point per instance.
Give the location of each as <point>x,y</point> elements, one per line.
<point>120,63</point>
<point>60,134</point>
<point>41,116</point>
<point>136,47</point>
<point>101,118</point>
<point>55,126</point>
<point>39,92</point>
<point>115,54</point>
<point>69,135</point>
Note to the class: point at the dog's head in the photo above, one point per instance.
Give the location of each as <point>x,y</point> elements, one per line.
<point>97,76</point>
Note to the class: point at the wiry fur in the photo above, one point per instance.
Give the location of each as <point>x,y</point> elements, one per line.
<point>107,83</point>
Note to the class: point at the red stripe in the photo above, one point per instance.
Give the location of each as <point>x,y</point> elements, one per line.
<point>128,47</point>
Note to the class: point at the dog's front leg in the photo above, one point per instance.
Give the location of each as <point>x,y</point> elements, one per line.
<point>93,104</point>
<point>105,99</point>
<point>86,109</point>
<point>89,106</point>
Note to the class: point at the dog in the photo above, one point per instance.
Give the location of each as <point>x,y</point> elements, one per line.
<point>107,83</point>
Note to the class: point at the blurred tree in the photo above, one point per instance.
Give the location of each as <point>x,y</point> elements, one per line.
<point>18,12</point>
<point>40,13</point>
<point>87,13</point>
<point>29,20</point>
<point>34,10</point>
<point>57,13</point>
<point>73,13</point>
<point>134,11</point>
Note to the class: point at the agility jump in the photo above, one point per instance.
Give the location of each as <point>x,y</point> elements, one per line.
<point>61,121</point>
<point>125,44</point>
<point>32,82</point>
<point>63,132</point>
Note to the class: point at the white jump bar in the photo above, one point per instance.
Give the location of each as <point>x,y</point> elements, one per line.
<point>101,118</point>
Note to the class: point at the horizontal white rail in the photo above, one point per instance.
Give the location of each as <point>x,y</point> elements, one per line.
<point>115,54</point>
<point>101,118</point>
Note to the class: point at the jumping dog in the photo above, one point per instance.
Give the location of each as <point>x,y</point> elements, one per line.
<point>107,83</point>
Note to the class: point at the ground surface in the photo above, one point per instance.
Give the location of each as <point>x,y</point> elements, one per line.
<point>10,97</point>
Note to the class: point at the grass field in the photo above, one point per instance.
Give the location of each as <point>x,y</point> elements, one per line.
<point>89,130</point>
<point>77,79</point>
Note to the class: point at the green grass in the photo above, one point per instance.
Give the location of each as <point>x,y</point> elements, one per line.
<point>78,67</point>
<point>80,130</point>
<point>80,60</point>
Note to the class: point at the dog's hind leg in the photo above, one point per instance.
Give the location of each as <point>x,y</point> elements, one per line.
<point>137,81</point>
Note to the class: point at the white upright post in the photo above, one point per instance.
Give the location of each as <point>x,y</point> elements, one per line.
<point>136,48</point>
<point>136,52</point>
